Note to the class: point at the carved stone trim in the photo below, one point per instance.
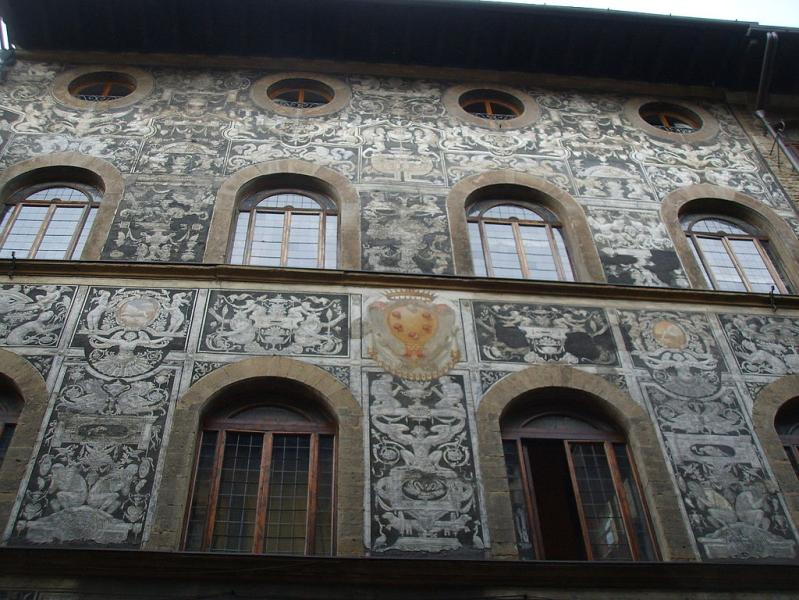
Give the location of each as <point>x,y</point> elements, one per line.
<point>530,113</point>
<point>179,463</point>
<point>708,130</point>
<point>341,95</point>
<point>33,391</point>
<point>707,198</point>
<point>579,240</point>
<point>287,173</point>
<point>764,410</point>
<point>144,87</point>
<point>661,497</point>
<point>61,166</point>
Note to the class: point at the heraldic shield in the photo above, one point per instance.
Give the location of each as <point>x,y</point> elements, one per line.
<point>412,336</point>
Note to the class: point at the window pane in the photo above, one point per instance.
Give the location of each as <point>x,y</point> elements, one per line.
<point>331,242</point>
<point>518,501</point>
<point>289,200</point>
<point>63,194</point>
<point>288,495</point>
<point>637,514</point>
<point>303,248</point>
<point>507,211</point>
<point>24,230</point>
<point>324,497</point>
<point>5,438</point>
<point>267,239</point>
<point>717,226</point>
<point>600,504</point>
<point>239,239</point>
<point>752,264</point>
<point>720,264</point>
<point>234,528</point>
<point>538,251</point>
<point>59,232</point>
<point>502,247</point>
<point>564,255</point>
<point>198,515</point>
<point>84,234</point>
<point>477,250</point>
<point>705,275</point>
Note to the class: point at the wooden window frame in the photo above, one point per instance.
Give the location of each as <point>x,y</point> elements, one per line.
<point>663,116</point>
<point>287,215</point>
<point>759,242</point>
<point>105,96</point>
<point>518,436</point>
<point>268,429</point>
<point>301,87</point>
<point>516,225</point>
<point>20,200</point>
<point>488,112</point>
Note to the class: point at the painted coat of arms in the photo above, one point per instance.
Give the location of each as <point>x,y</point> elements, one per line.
<point>412,336</point>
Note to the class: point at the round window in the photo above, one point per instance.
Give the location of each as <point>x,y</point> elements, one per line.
<point>670,118</point>
<point>300,93</point>
<point>102,86</point>
<point>491,105</point>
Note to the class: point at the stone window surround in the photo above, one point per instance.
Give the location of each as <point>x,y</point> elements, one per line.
<point>341,95</point>
<point>708,131</point>
<point>764,410</point>
<point>711,199</point>
<point>672,537</point>
<point>530,113</point>
<point>576,232</point>
<point>72,166</point>
<point>167,529</point>
<point>282,174</point>
<point>33,393</point>
<point>144,87</point>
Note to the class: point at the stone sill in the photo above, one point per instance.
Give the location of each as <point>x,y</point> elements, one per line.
<point>85,565</point>
<point>220,273</point>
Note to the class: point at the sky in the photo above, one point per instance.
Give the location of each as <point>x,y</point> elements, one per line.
<point>782,13</point>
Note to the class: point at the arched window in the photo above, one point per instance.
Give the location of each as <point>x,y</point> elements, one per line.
<point>10,407</point>
<point>787,425</point>
<point>514,239</point>
<point>49,221</point>
<point>574,489</point>
<point>264,475</point>
<point>733,255</point>
<point>286,228</point>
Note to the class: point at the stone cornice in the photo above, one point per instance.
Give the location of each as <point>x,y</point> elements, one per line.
<point>88,272</point>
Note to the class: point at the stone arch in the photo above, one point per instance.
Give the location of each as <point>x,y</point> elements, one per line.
<point>656,483</point>
<point>287,172</point>
<point>72,166</point>
<point>32,389</point>
<point>179,464</point>
<point>579,240</point>
<point>707,198</point>
<point>768,402</point>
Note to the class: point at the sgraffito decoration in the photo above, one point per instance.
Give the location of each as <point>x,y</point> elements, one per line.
<point>424,493</point>
<point>127,332</point>
<point>532,333</point>
<point>763,345</point>
<point>92,479</point>
<point>411,335</point>
<point>421,245</point>
<point>677,349</point>
<point>33,315</point>
<point>489,378</point>
<point>276,323</point>
<point>733,508</point>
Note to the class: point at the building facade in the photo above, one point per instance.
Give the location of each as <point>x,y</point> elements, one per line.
<point>254,313</point>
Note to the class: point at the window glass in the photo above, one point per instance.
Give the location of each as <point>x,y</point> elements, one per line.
<point>514,241</point>
<point>287,229</point>
<point>573,489</point>
<point>52,222</point>
<point>260,488</point>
